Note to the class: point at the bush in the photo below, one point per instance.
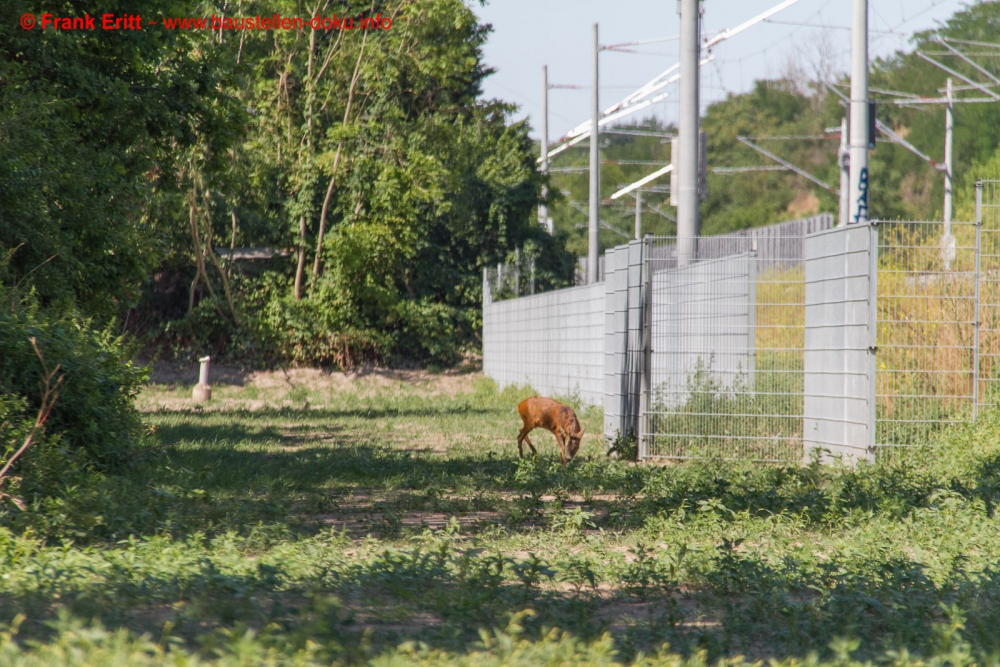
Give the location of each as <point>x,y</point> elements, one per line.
<point>95,413</point>
<point>433,332</point>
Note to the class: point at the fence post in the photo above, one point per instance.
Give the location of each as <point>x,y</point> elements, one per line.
<point>646,324</point>
<point>752,313</point>
<point>872,334</point>
<point>976,317</point>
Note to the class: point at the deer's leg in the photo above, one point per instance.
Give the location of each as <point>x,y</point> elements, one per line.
<point>561,442</point>
<point>534,452</point>
<point>521,437</point>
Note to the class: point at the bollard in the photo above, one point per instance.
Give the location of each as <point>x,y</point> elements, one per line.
<point>203,391</point>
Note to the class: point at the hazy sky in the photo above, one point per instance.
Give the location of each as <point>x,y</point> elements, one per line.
<point>530,33</point>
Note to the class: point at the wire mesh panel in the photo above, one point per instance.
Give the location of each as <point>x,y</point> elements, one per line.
<point>926,342</point>
<point>552,341</point>
<point>727,342</point>
<point>988,367</point>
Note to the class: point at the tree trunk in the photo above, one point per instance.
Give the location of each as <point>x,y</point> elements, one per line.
<point>302,258</point>
<point>199,257</point>
<point>333,175</point>
<point>310,98</point>
<point>232,248</point>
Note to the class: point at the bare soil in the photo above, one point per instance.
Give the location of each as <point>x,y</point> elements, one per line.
<point>365,380</point>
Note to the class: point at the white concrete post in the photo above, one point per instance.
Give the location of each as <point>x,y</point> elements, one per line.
<point>203,390</point>
<point>638,214</point>
<point>948,241</point>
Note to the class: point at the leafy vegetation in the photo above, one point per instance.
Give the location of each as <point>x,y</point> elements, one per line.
<point>370,159</point>
<point>387,522</point>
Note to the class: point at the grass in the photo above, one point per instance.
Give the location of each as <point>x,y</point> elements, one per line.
<point>396,525</point>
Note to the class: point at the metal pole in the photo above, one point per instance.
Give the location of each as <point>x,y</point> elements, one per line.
<point>543,210</point>
<point>948,240</point>
<point>976,316</point>
<point>595,171</point>
<point>687,125</point>
<point>751,369</point>
<point>859,114</point>
<point>949,127</point>
<point>638,214</point>
<point>844,157</point>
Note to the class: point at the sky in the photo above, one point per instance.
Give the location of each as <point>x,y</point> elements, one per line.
<point>530,33</point>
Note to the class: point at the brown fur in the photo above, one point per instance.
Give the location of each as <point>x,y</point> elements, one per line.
<point>538,412</point>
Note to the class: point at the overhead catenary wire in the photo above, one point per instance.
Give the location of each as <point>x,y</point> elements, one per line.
<point>636,102</point>
<point>960,76</point>
<point>602,223</point>
<point>828,27</point>
<point>886,130</point>
<point>789,165</point>
<point>740,170</point>
<point>975,66</point>
<point>642,181</point>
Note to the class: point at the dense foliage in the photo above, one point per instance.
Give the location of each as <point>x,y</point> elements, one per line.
<point>369,157</point>
<point>366,159</point>
<point>93,424</point>
<point>85,116</point>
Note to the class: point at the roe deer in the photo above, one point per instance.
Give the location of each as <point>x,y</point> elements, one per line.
<point>538,412</point>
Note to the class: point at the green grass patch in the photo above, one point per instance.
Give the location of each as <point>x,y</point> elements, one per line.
<point>399,527</point>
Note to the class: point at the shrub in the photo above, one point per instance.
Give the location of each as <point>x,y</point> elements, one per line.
<point>95,413</point>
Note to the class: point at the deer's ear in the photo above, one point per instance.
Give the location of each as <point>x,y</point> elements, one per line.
<point>580,434</point>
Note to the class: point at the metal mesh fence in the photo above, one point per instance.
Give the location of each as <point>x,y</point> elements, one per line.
<point>731,341</point>
<point>552,341</point>
<point>864,340</point>
<point>727,339</point>
<point>927,340</point>
<point>988,370</point>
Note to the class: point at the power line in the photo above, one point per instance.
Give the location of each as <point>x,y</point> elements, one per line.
<point>740,170</point>
<point>797,170</point>
<point>829,27</point>
<point>639,133</point>
<point>581,209</point>
<point>965,41</point>
<point>796,137</point>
